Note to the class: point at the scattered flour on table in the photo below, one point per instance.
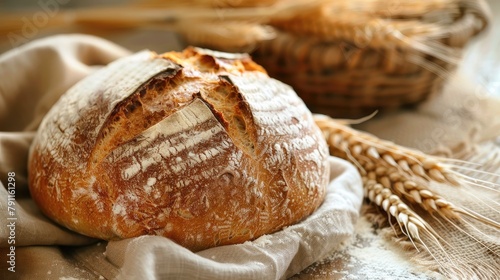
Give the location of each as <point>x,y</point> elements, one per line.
<point>370,256</point>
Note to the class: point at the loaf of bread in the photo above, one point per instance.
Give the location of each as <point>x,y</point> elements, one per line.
<point>198,146</point>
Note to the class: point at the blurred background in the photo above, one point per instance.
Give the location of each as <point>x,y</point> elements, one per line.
<point>480,62</point>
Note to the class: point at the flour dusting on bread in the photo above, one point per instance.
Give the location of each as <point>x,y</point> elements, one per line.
<point>198,146</point>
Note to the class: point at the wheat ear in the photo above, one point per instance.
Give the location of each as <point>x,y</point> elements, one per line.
<point>409,222</point>
<point>406,173</point>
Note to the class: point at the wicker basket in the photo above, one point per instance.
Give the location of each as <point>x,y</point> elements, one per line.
<point>345,58</point>
<point>341,79</point>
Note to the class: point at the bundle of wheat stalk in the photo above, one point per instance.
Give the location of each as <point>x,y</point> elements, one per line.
<point>432,205</point>
<point>350,58</point>
<point>219,24</point>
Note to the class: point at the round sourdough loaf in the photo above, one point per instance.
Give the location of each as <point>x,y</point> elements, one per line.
<point>199,146</point>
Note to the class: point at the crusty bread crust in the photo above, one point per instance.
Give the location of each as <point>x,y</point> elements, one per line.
<point>198,146</point>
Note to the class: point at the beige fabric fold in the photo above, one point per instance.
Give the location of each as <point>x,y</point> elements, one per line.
<point>33,77</point>
<point>36,74</point>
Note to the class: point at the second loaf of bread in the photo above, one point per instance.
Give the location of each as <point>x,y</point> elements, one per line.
<point>198,146</point>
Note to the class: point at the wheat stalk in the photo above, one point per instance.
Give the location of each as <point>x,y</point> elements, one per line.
<point>220,25</point>
<point>381,24</point>
<point>415,190</point>
<point>167,15</point>
<point>398,180</point>
<point>391,170</point>
<point>204,3</point>
<point>410,223</point>
<point>370,153</point>
<point>361,21</point>
<point>227,36</point>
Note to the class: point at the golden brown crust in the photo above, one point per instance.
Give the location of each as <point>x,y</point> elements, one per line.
<point>200,147</point>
